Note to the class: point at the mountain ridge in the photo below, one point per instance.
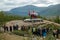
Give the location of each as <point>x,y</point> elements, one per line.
<point>52,10</point>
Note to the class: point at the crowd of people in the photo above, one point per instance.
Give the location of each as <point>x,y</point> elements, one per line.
<point>43,32</point>
<point>6,28</point>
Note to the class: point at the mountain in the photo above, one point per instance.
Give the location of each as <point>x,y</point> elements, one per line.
<point>52,10</point>
<point>24,10</point>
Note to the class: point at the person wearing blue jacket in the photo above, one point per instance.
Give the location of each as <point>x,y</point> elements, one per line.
<point>44,32</point>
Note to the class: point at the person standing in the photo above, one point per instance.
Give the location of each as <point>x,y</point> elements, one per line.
<point>44,33</point>
<point>33,30</point>
<point>58,33</point>
<point>55,33</point>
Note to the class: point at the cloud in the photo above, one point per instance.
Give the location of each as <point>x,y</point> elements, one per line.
<point>9,4</point>
<point>42,5</point>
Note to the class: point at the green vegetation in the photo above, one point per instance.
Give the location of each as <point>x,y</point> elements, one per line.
<point>5,18</point>
<point>57,19</point>
<point>20,33</point>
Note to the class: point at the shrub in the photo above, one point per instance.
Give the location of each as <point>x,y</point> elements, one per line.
<point>20,33</point>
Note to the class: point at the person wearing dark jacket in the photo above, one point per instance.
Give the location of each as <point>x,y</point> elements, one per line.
<point>58,32</point>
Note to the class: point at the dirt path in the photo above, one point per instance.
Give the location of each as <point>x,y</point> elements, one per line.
<point>49,22</point>
<point>7,36</point>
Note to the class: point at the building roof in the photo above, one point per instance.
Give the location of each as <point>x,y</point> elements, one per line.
<point>36,19</point>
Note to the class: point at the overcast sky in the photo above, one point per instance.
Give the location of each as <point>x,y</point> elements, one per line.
<point>9,4</point>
